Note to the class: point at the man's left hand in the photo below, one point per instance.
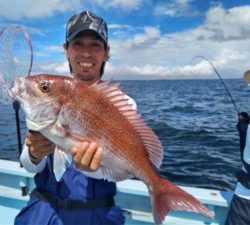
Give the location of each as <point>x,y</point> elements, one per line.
<point>87,156</point>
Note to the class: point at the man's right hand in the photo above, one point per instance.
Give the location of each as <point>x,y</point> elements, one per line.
<point>38,145</point>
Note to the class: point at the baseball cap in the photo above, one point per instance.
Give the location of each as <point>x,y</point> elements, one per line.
<point>86,20</point>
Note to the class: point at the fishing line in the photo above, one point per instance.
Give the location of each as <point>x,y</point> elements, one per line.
<point>222,81</point>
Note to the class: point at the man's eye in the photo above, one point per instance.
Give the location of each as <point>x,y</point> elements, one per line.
<point>77,43</point>
<point>96,47</point>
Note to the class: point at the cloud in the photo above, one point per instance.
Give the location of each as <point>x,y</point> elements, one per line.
<point>127,5</point>
<point>144,40</point>
<point>176,8</point>
<point>136,72</point>
<point>30,9</point>
<point>200,70</point>
<point>35,9</point>
<point>120,30</point>
<point>54,68</point>
<point>35,31</point>
<point>226,25</point>
<point>48,51</point>
<point>152,53</point>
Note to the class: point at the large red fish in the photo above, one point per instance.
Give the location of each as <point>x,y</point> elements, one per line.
<point>67,111</point>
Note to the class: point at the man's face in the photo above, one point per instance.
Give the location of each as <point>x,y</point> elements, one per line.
<point>86,53</point>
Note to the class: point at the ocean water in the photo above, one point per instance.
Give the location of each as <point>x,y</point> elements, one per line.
<point>194,119</point>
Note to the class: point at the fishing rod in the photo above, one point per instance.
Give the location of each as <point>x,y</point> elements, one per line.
<point>222,81</point>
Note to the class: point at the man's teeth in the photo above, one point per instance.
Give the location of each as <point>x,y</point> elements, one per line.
<point>85,64</point>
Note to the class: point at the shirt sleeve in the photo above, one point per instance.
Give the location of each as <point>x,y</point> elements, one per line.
<point>28,164</point>
<point>132,102</point>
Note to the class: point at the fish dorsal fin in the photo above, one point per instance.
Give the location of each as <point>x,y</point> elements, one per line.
<point>113,93</point>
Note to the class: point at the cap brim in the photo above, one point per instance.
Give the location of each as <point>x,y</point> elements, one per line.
<point>72,36</point>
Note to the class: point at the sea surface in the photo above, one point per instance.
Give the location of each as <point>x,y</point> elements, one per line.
<point>194,119</point>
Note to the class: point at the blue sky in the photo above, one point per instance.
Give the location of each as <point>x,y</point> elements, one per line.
<point>149,39</point>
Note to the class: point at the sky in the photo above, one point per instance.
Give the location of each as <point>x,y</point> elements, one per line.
<point>149,39</point>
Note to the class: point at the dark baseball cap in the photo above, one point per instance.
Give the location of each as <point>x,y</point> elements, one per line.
<point>86,20</point>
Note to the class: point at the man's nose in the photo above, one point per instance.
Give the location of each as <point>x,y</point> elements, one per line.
<point>86,52</point>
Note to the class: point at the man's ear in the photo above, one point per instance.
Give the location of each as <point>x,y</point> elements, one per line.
<point>65,50</point>
<point>106,58</point>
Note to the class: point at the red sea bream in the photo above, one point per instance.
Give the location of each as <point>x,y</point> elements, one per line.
<point>67,111</point>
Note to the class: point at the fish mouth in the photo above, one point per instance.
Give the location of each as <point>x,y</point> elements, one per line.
<point>18,88</point>
<point>21,89</point>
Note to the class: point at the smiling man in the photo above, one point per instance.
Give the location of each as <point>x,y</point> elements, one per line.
<point>87,46</point>
<point>81,196</point>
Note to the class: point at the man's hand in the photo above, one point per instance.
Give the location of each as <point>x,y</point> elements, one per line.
<point>38,145</point>
<point>87,156</point>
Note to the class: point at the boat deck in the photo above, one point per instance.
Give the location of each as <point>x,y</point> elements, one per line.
<point>132,196</point>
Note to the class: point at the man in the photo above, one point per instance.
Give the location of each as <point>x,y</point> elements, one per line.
<point>77,198</point>
<point>239,210</point>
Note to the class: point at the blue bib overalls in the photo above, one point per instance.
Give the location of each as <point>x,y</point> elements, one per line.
<point>51,205</point>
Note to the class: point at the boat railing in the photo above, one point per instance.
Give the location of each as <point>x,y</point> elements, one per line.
<point>132,196</point>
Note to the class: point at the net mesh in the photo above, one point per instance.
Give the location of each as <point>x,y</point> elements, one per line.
<point>15,59</point>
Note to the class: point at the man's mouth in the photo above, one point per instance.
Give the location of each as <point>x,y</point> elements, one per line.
<point>86,64</point>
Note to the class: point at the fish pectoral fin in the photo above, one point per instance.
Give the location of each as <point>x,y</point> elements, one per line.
<point>61,160</point>
<point>115,175</point>
<point>59,130</point>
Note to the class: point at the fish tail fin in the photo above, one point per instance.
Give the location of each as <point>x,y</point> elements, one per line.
<point>166,196</point>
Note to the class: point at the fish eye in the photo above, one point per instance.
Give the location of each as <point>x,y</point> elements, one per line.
<point>45,87</point>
